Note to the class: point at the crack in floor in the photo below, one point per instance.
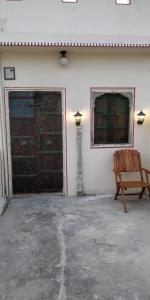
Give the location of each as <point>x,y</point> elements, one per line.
<point>62,291</point>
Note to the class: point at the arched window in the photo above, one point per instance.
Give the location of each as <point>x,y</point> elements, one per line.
<point>112,119</point>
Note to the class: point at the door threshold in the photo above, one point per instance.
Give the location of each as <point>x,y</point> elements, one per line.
<point>36,194</point>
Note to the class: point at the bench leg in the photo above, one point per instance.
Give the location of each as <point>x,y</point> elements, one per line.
<point>142,192</point>
<point>117,192</point>
<point>124,200</point>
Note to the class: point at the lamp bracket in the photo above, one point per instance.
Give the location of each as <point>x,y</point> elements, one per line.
<point>63,53</point>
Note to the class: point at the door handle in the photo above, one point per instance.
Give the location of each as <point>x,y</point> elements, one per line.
<point>41,130</point>
<point>24,145</point>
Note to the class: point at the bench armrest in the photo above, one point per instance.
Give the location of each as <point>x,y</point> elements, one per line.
<point>147,174</point>
<point>145,170</point>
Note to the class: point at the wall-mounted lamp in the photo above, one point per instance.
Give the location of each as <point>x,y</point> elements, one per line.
<point>78,118</point>
<point>63,60</point>
<point>141,117</point>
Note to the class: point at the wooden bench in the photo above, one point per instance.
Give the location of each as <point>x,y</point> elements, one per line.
<point>129,161</point>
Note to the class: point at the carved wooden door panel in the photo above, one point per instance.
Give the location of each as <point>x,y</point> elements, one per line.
<point>36,141</point>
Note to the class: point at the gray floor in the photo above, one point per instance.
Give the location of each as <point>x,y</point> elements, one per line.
<point>87,248</point>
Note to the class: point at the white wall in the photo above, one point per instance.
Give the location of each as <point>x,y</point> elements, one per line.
<point>2,167</point>
<point>84,17</point>
<point>41,69</point>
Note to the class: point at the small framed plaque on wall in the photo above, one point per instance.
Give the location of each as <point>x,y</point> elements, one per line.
<point>9,73</point>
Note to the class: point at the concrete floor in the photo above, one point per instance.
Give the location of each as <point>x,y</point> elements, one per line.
<point>84,248</point>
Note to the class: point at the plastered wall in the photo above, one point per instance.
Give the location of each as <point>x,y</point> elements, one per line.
<point>84,17</point>
<point>86,70</point>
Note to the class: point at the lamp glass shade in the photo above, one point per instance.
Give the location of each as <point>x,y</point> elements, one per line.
<point>78,117</point>
<point>141,117</point>
<point>64,61</point>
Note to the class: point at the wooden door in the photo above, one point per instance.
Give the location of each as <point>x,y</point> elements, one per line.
<point>36,141</point>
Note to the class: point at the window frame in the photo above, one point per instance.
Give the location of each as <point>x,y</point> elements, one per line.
<point>69,1</point>
<point>128,92</point>
<point>116,2</point>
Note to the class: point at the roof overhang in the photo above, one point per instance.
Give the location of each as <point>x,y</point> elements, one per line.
<point>64,40</point>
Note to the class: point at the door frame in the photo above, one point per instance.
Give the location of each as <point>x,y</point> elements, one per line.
<point>7,142</point>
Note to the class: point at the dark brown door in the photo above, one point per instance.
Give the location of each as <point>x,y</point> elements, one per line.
<point>36,141</point>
